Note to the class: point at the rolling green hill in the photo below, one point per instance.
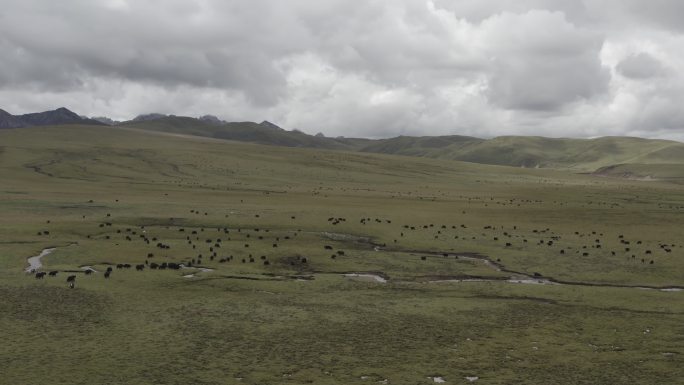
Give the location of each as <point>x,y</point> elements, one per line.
<point>444,147</point>
<point>645,172</point>
<point>261,133</point>
<point>537,152</point>
<point>579,155</point>
<point>576,154</point>
<point>518,151</point>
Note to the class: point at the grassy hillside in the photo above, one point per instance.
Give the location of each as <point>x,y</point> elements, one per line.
<point>646,172</point>
<point>521,151</point>
<point>239,131</point>
<point>516,151</point>
<point>507,274</point>
<point>443,147</point>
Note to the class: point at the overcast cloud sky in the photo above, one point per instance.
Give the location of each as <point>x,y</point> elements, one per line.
<point>372,68</point>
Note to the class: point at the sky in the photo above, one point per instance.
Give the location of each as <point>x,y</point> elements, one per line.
<point>371,68</point>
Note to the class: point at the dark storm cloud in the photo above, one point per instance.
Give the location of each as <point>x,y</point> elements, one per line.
<point>376,68</point>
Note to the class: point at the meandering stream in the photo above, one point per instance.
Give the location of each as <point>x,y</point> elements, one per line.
<point>35,261</point>
<point>516,277</point>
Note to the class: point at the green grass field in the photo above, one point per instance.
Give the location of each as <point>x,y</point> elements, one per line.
<point>435,242</point>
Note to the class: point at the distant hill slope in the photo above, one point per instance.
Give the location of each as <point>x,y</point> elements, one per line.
<point>516,151</point>
<point>47,118</point>
<point>261,133</point>
<point>428,146</point>
<point>526,151</point>
<point>585,155</point>
<point>646,172</point>
<point>8,120</point>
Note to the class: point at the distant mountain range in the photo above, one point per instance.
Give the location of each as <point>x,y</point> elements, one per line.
<point>518,151</point>
<point>600,155</point>
<point>47,118</point>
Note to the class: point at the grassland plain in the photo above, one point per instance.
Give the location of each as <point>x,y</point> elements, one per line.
<point>436,246</point>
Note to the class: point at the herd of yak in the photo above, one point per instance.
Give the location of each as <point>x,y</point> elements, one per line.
<point>509,240</point>
<point>71,279</point>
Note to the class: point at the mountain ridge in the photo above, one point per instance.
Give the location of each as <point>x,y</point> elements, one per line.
<point>583,155</point>
<point>58,116</point>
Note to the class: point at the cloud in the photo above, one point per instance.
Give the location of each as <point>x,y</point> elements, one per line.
<point>659,14</point>
<point>381,68</point>
<point>641,66</point>
<point>540,61</point>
